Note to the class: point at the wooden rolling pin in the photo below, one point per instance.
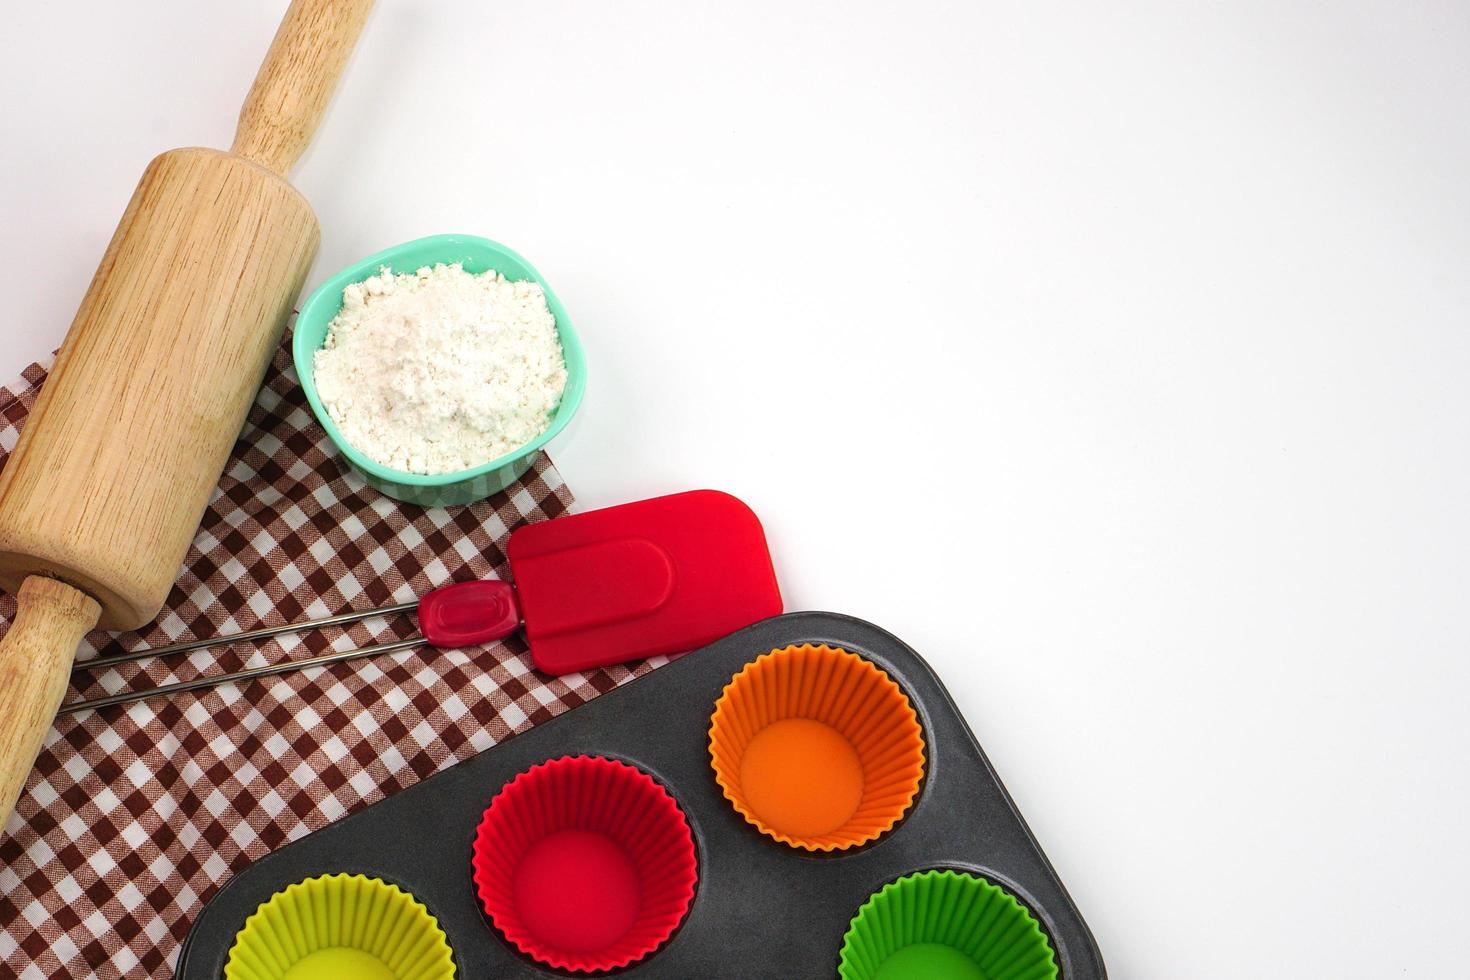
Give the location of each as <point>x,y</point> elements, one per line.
<point>109,481</point>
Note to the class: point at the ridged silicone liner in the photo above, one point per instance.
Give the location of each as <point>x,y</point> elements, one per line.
<point>332,916</point>
<point>586,803</point>
<point>963,914</point>
<point>857,701</point>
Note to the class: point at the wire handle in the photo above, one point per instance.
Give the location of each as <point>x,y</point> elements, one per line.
<point>212,680</point>
<point>462,614</point>
<point>265,632</point>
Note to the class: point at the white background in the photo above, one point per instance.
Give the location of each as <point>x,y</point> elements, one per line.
<point>1115,356</point>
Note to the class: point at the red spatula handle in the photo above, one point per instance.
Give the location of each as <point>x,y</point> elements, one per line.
<point>467,614</point>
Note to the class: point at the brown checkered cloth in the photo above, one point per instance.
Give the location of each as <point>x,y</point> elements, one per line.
<point>136,815</point>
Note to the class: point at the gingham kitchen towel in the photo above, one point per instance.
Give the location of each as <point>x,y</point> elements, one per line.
<point>136,815</point>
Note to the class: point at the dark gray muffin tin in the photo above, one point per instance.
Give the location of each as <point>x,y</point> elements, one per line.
<point>761,909</point>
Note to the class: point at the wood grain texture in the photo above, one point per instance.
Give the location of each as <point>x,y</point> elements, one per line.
<point>114,466</point>
<point>116,463</point>
<point>296,81</point>
<point>35,661</point>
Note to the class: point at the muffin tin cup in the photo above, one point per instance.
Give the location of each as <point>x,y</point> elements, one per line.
<point>817,748</point>
<point>336,926</point>
<point>760,909</point>
<point>945,925</point>
<point>585,863</point>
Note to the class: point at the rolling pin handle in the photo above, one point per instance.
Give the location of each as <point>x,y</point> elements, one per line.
<point>35,661</point>
<point>297,79</point>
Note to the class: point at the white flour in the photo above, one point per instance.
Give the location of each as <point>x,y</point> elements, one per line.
<point>441,370</point>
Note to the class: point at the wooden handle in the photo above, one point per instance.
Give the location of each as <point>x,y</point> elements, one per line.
<point>115,465</point>
<point>297,79</point>
<point>35,660</point>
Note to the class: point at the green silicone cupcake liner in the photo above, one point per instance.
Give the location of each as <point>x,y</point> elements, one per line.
<point>337,927</point>
<point>945,925</point>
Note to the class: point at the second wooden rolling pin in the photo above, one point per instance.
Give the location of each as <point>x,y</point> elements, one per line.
<point>115,465</point>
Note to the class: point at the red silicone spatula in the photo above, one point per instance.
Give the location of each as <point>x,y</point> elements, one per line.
<point>657,576</point>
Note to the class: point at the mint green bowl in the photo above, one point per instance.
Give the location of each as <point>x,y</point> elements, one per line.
<point>476,255</point>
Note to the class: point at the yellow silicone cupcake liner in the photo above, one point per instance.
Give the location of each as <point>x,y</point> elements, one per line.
<point>817,748</point>
<point>337,927</point>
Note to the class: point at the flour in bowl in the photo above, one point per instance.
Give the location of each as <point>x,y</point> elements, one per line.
<point>441,370</point>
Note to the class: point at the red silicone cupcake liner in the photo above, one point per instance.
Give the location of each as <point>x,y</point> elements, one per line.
<point>585,863</point>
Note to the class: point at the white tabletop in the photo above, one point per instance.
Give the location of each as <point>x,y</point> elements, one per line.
<point>1117,360</point>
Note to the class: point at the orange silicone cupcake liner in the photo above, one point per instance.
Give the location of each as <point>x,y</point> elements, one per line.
<point>817,748</point>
